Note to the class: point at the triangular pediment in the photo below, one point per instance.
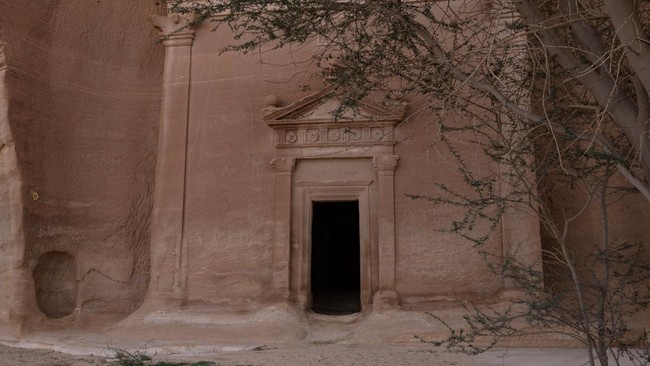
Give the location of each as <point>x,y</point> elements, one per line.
<point>326,110</point>
<point>325,106</point>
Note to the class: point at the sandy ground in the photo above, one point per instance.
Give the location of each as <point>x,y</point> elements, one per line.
<point>313,355</point>
<point>10,356</point>
<point>276,336</point>
<point>324,355</point>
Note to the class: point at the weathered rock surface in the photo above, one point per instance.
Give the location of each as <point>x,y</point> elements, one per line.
<point>80,109</point>
<point>221,245</point>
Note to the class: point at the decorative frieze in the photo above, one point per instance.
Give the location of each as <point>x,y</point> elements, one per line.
<point>335,134</point>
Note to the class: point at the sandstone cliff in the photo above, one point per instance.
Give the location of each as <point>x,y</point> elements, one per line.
<point>80,110</point>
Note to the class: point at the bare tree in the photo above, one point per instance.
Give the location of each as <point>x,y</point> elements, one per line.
<point>588,292</point>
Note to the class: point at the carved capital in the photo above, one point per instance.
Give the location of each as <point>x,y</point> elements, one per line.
<point>385,162</point>
<point>174,29</point>
<point>283,164</point>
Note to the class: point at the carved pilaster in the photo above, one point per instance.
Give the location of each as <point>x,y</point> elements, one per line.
<point>282,225</point>
<point>521,240</point>
<point>168,244</point>
<point>385,166</point>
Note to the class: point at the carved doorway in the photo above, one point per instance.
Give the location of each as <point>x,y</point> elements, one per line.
<point>339,158</point>
<point>335,258</point>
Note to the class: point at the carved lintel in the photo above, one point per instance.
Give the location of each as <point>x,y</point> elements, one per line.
<point>174,29</point>
<point>385,162</point>
<point>283,164</point>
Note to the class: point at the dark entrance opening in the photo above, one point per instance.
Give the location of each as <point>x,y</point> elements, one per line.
<point>335,258</point>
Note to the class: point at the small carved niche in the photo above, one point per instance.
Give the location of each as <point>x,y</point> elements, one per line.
<point>55,280</point>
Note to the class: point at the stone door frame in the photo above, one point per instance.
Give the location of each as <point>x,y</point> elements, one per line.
<point>310,192</point>
<point>307,130</point>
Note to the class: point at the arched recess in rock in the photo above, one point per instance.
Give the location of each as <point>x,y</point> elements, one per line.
<point>55,281</point>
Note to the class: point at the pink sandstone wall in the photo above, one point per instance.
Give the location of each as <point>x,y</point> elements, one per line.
<point>229,177</point>
<point>84,87</point>
<point>84,90</point>
<point>628,218</point>
<point>433,265</point>
<point>229,212</point>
